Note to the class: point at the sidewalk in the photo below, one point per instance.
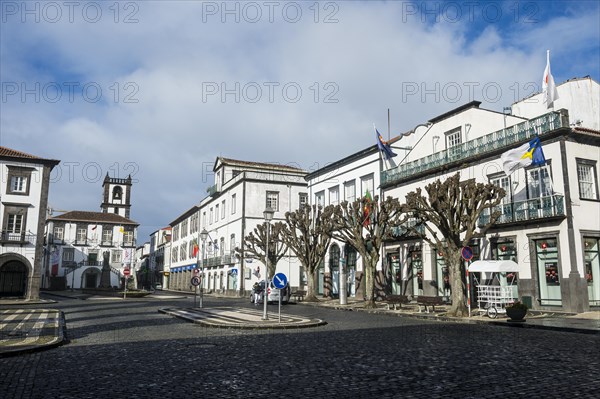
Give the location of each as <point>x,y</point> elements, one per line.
<point>584,323</point>
<point>24,330</point>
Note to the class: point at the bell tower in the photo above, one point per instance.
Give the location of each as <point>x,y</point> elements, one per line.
<point>117,196</point>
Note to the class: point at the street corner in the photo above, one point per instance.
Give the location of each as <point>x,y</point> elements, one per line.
<point>241,318</point>
<point>29,330</point>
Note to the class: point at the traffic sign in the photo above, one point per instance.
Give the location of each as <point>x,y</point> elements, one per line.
<point>126,271</point>
<point>467,253</point>
<point>233,271</point>
<point>280,280</point>
<point>195,281</point>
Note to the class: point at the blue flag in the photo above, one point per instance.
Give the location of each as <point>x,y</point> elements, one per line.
<point>384,147</point>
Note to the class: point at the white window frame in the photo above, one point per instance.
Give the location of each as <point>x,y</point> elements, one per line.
<point>233,204</point>
<point>59,233</point>
<point>320,198</point>
<point>367,182</point>
<point>116,256</point>
<point>350,191</point>
<point>223,210</point>
<point>272,200</point>
<point>107,236</point>
<point>453,138</point>
<point>334,195</point>
<point>81,235</point>
<point>587,179</point>
<point>18,184</point>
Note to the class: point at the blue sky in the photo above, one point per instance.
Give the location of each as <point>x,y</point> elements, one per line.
<point>159,89</point>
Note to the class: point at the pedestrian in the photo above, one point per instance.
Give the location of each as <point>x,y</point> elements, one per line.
<point>257,293</point>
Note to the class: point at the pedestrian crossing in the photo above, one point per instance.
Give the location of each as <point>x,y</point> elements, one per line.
<point>22,327</point>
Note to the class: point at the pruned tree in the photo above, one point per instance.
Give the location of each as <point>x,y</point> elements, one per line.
<point>255,243</point>
<point>450,214</point>
<point>307,232</point>
<point>365,224</point>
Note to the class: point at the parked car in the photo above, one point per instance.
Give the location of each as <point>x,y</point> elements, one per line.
<point>272,292</point>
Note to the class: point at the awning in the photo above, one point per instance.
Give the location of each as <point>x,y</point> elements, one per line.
<point>490,266</point>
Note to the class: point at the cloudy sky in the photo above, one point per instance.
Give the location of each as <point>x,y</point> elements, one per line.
<point>159,89</point>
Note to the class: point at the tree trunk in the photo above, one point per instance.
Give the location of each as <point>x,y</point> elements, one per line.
<point>369,283</point>
<point>310,288</point>
<point>456,271</point>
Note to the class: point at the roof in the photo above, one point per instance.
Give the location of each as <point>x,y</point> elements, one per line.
<point>98,217</point>
<point>9,153</point>
<point>261,165</point>
<point>491,266</point>
<point>464,107</point>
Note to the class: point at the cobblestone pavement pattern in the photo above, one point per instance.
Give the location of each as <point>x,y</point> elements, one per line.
<point>127,349</point>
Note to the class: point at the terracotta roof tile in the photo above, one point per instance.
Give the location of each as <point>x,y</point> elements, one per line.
<point>6,152</point>
<point>99,217</point>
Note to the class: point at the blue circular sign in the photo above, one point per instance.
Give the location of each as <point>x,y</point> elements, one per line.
<point>280,280</point>
<point>467,253</point>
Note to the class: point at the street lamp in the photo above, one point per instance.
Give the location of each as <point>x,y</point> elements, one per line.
<point>268,214</point>
<point>203,237</point>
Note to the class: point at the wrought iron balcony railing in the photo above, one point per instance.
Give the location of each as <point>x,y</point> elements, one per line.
<point>491,142</point>
<point>212,190</point>
<point>23,238</point>
<point>532,209</point>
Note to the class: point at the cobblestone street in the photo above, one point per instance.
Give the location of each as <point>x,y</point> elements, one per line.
<point>127,349</point>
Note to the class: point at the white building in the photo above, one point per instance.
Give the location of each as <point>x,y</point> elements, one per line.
<point>546,225</point>
<point>23,202</point>
<point>160,254</point>
<point>79,241</point>
<point>233,208</point>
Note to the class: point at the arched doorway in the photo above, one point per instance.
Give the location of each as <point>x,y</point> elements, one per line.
<point>13,279</point>
<point>91,278</point>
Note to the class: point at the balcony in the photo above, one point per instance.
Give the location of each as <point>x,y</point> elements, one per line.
<point>90,263</point>
<point>490,143</point>
<point>219,261</point>
<point>8,238</point>
<point>407,230</point>
<point>213,190</point>
<point>81,242</point>
<point>523,211</point>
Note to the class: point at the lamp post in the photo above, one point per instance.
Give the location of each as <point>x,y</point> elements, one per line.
<point>203,237</point>
<point>268,214</point>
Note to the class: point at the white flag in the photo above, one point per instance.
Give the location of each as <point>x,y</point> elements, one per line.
<point>550,94</point>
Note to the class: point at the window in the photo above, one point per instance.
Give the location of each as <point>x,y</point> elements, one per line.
<point>453,138</point>
<point>14,223</point>
<point>273,200</point>
<point>116,210</point>
<point>107,234</point>
<point>18,184</point>
<point>586,176</point>
<point>216,212</point>
<point>539,183</point>
<point>68,254</point>
<point>334,195</point>
<point>116,256</point>
<point>302,199</point>
<point>210,216</point>
<point>14,219</point>
<point>233,197</point>
<point>81,235</point>
<point>174,254</point>
<point>350,191</point>
<point>320,198</point>
<point>182,251</point>
<point>232,244</point>
<point>502,181</point>
<point>128,237</point>
<point>18,180</point>
<point>176,233</point>
<point>366,183</point>
<point>59,233</point>
<point>191,249</point>
<point>222,246</point>
<point>184,228</point>
<point>223,209</point>
<point>204,219</point>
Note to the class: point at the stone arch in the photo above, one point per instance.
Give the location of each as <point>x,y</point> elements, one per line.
<point>15,276</point>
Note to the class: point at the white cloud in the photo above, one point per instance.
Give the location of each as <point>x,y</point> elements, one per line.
<point>367,62</point>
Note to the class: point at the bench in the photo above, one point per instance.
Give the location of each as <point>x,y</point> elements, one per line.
<point>427,301</point>
<point>298,295</point>
<point>396,300</point>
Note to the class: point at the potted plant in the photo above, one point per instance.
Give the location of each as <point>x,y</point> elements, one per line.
<point>516,311</point>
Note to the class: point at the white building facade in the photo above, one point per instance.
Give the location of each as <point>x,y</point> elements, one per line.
<point>23,203</point>
<point>545,225</point>
<point>78,242</point>
<point>233,208</point>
